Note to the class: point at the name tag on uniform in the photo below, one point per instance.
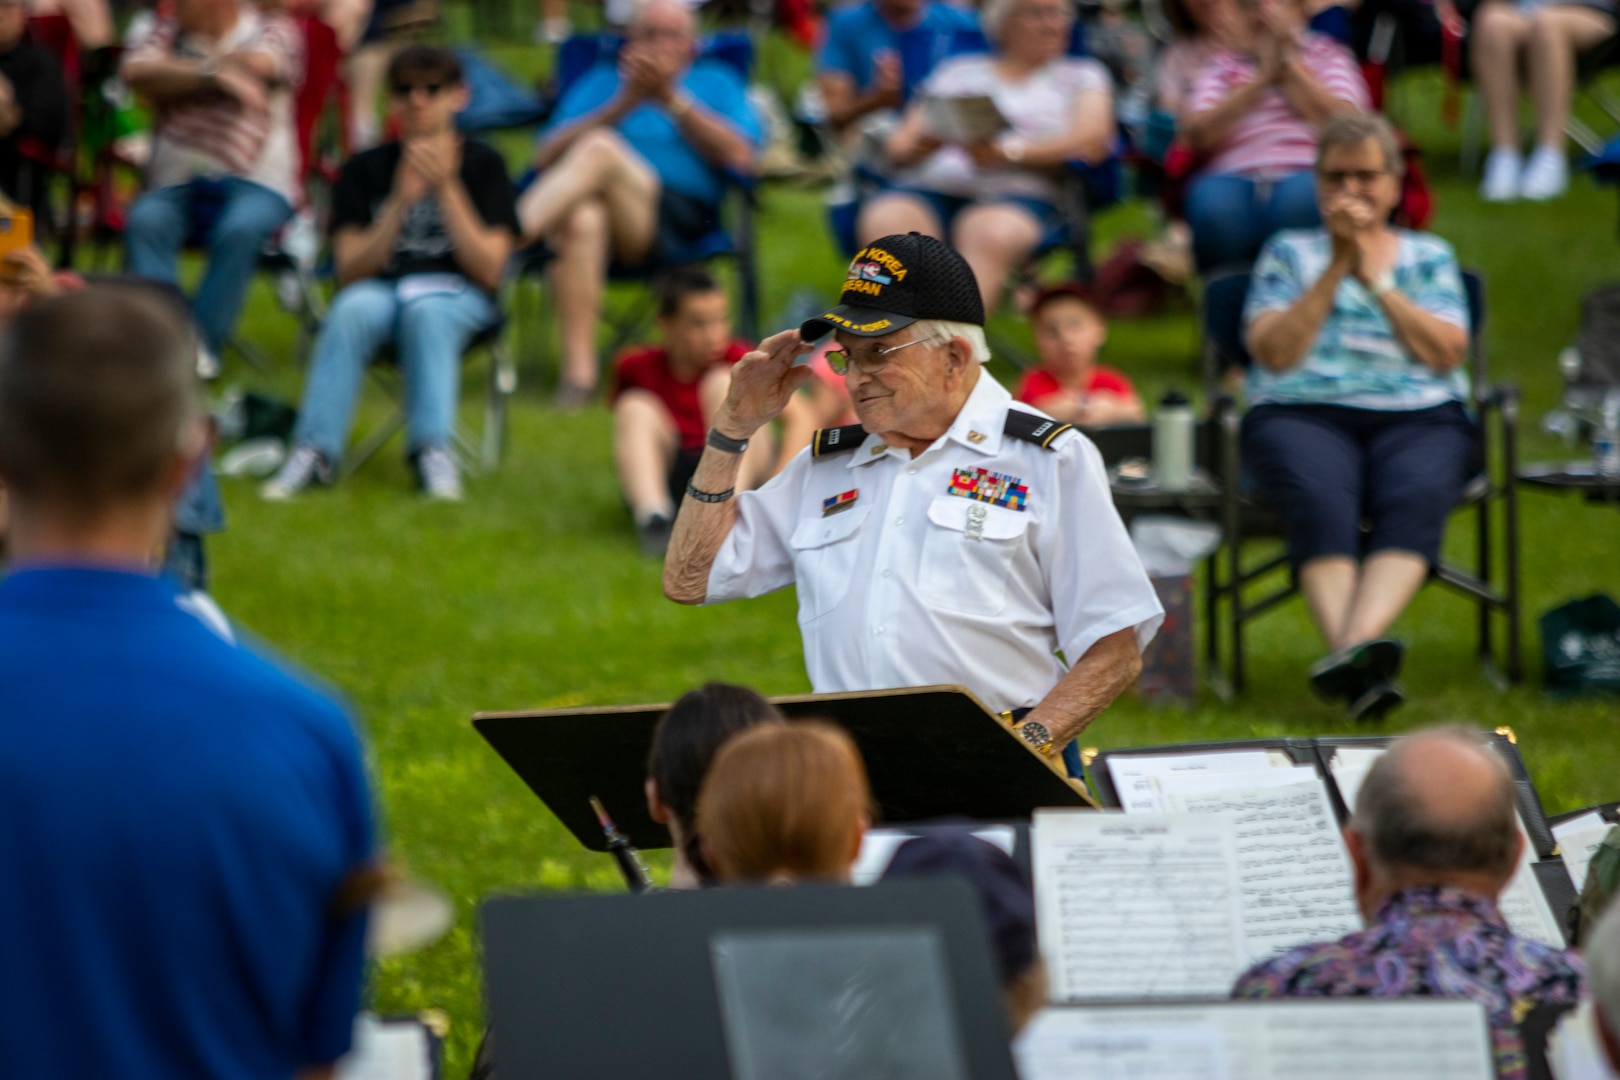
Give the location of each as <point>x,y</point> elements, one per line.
<point>997,489</point>
<point>836,503</point>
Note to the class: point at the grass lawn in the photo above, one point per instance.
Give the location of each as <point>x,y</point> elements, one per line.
<point>533,594</point>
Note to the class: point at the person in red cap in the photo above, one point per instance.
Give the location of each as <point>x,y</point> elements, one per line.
<point>952,536</point>
<point>1069,384</point>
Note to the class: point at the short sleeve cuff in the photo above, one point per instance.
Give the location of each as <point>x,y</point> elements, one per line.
<point>1145,618</point>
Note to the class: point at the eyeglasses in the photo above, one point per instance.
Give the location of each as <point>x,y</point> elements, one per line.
<point>405,90</point>
<point>867,363</point>
<point>1360,177</point>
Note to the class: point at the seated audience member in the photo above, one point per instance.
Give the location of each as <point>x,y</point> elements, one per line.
<point>632,171</point>
<point>1358,411</point>
<point>784,803</point>
<point>684,744</point>
<point>1543,38</point>
<point>1434,840</point>
<point>1199,29</point>
<point>33,107</point>
<point>1008,900</point>
<point>863,66</point>
<point>1069,384</point>
<point>997,200</point>
<point>1254,115</point>
<point>220,75</point>
<point>664,398</point>
<point>421,231</point>
<point>186,844</point>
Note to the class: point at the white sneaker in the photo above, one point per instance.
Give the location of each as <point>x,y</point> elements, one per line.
<point>439,475</point>
<point>305,466</point>
<point>1546,175</point>
<point>1502,176</point>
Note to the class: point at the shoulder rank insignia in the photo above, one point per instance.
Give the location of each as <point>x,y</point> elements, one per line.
<point>836,440</point>
<point>1043,431</point>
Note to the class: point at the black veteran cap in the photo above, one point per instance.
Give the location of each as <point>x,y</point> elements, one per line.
<point>894,281</point>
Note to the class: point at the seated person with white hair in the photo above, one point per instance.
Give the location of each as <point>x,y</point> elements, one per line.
<point>1434,840</point>
<point>632,171</point>
<point>996,200</point>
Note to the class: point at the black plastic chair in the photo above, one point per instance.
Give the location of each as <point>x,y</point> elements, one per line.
<point>1490,582</point>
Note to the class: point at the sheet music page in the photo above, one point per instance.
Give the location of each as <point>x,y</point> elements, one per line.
<point>1342,1039</point>
<point>1578,839</point>
<point>1524,906</point>
<point>1136,906</point>
<point>1294,873</point>
<point>1390,1040</point>
<point>879,845</point>
<point>387,1050</point>
<point>1349,766</point>
<point>1134,775</point>
<point>1070,1044</point>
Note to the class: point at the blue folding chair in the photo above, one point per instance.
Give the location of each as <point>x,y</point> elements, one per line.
<point>735,241</point>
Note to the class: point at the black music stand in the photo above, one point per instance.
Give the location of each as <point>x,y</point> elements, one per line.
<point>931,752</point>
<point>705,983</point>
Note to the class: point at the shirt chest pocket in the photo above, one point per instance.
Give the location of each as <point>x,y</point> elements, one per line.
<point>824,560</point>
<point>968,554</point>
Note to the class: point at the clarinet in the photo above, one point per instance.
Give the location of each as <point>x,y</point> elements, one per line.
<point>636,876</point>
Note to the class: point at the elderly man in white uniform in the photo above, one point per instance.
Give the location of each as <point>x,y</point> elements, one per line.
<point>953,536</point>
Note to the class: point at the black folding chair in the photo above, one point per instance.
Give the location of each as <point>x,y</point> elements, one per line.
<point>1491,583</point>
<point>478,452</point>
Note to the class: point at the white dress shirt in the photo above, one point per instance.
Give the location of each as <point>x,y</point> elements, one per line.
<point>973,563</point>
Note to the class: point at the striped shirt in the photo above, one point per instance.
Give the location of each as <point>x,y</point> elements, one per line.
<point>214,135</point>
<point>1271,139</point>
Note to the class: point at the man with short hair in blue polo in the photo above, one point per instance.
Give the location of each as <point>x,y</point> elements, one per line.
<point>186,844</point>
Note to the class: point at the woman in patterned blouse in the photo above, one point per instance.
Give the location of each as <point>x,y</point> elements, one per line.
<point>1359,332</point>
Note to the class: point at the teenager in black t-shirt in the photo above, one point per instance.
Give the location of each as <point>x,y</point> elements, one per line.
<point>421,230</point>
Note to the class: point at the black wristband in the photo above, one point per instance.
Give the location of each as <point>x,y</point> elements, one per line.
<point>709,496</point>
<point>726,442</point>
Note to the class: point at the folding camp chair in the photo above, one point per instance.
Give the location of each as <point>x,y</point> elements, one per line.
<point>1491,583</point>
<point>735,241</point>
<point>478,451</point>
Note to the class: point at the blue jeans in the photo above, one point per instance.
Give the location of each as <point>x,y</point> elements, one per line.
<point>1232,216</point>
<point>235,216</point>
<point>430,333</point>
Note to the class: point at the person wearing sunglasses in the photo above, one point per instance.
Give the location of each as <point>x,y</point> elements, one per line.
<point>421,231</point>
<point>952,536</point>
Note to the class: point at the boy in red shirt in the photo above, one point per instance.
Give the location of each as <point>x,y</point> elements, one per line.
<point>1069,384</point>
<point>664,396</point>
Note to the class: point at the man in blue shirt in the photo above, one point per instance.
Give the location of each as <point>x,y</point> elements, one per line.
<point>185,828</point>
<point>878,51</point>
<point>632,170</point>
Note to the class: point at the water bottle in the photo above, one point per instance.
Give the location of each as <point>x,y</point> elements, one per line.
<point>1606,439</point>
<point>1173,443</point>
